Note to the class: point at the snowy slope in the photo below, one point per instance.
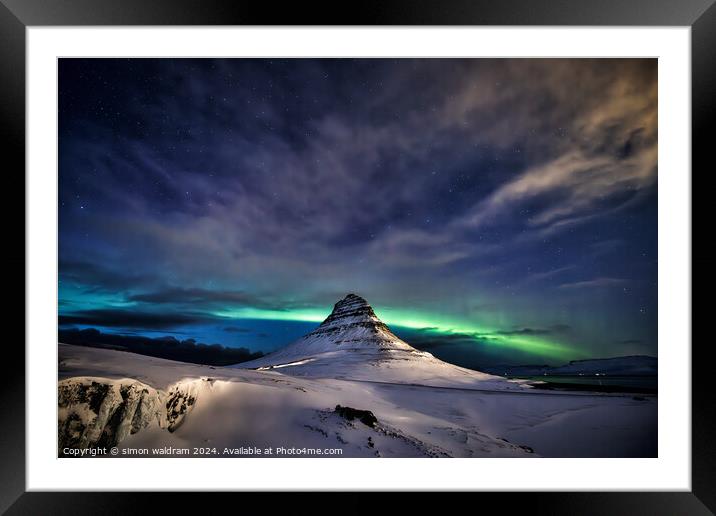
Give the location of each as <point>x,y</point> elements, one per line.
<point>188,405</point>
<point>353,343</point>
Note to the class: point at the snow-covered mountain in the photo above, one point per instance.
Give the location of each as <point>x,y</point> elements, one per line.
<point>352,325</point>
<point>353,343</point>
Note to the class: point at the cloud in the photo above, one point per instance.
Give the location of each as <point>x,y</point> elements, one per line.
<point>581,182</point>
<point>538,276</point>
<point>122,318</point>
<point>606,246</point>
<point>236,329</point>
<point>101,277</point>
<point>427,340</point>
<point>204,297</point>
<point>164,347</point>
<point>630,341</point>
<point>594,283</point>
<point>605,142</point>
<point>557,328</point>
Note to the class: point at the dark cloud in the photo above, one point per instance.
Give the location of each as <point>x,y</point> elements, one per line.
<point>631,341</point>
<point>236,329</point>
<point>427,339</point>
<point>99,277</point>
<point>557,328</point>
<point>163,347</point>
<point>119,318</point>
<point>204,297</point>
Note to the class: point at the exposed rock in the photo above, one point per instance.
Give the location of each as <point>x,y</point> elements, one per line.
<point>101,412</point>
<point>180,401</point>
<point>351,312</point>
<point>364,416</point>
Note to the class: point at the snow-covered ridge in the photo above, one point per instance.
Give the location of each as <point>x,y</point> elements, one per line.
<point>635,365</point>
<point>630,365</point>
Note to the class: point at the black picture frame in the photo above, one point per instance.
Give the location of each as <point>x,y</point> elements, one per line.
<point>17,15</point>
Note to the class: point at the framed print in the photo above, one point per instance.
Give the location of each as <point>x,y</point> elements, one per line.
<point>420,249</point>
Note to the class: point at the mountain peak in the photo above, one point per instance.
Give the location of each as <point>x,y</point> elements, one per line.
<point>351,297</point>
<point>349,311</point>
<point>351,301</point>
<point>353,328</point>
<point>353,323</point>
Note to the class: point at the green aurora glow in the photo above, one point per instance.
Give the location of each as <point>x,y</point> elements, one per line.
<point>435,323</point>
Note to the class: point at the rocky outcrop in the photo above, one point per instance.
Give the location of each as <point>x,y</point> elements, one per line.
<point>350,312</point>
<point>364,416</point>
<point>101,412</point>
<point>180,401</point>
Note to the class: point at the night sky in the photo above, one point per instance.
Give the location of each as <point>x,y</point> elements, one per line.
<point>490,210</point>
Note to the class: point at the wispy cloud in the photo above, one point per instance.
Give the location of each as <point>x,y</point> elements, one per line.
<point>544,275</point>
<point>594,283</point>
<point>552,330</point>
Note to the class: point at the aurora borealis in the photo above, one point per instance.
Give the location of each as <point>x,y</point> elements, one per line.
<point>490,210</point>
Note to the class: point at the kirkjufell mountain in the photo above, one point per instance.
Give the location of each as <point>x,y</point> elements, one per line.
<point>351,326</point>
<point>353,343</point>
